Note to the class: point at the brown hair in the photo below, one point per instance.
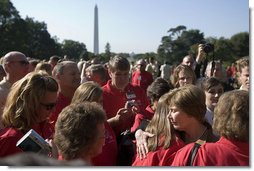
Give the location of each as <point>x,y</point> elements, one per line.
<point>76,128</point>
<point>118,63</point>
<point>190,99</point>
<point>231,115</point>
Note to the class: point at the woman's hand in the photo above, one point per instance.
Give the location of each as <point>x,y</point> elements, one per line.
<point>141,143</point>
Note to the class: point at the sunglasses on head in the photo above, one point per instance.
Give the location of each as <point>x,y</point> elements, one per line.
<point>49,106</point>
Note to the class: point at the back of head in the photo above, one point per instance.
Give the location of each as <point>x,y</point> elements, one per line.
<point>24,98</point>
<point>44,66</point>
<point>54,59</point>
<point>231,115</point>
<point>158,87</point>
<point>59,67</point>
<point>208,83</point>
<point>118,63</point>
<point>76,129</point>
<point>88,91</point>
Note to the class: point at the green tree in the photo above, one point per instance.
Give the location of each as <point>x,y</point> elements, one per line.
<point>7,12</point>
<point>173,50</point>
<point>240,44</point>
<point>41,45</point>
<point>107,52</point>
<point>74,49</point>
<point>176,31</point>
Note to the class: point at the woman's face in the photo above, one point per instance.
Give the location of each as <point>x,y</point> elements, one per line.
<point>47,105</point>
<point>212,96</point>
<point>179,119</point>
<point>184,78</point>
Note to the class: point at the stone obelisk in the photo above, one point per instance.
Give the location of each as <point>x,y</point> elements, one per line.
<point>96,32</point>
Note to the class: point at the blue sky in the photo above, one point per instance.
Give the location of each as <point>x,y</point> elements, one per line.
<point>135,25</point>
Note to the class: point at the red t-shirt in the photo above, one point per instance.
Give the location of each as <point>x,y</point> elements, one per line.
<point>221,153</point>
<point>108,155</point>
<point>142,79</point>
<point>62,102</point>
<point>10,136</point>
<point>114,99</point>
<point>149,112</point>
<point>156,158</point>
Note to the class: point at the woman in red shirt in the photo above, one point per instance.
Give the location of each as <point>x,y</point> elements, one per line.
<point>28,106</point>
<point>164,140</point>
<point>231,122</point>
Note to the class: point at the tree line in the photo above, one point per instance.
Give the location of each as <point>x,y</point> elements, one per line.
<point>32,38</point>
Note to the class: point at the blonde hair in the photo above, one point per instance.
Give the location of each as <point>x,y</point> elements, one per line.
<point>160,126</point>
<point>44,66</point>
<point>241,63</point>
<point>24,98</point>
<point>186,69</point>
<point>88,91</point>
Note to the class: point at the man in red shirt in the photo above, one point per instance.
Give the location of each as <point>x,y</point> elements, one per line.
<point>68,78</point>
<point>141,77</point>
<point>117,92</point>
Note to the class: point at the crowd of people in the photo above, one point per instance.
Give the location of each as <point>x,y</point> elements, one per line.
<point>116,114</point>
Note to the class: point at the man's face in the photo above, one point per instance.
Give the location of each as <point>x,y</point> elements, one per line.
<point>18,66</point>
<point>188,61</point>
<point>217,71</point>
<point>70,77</point>
<point>244,78</point>
<point>120,79</point>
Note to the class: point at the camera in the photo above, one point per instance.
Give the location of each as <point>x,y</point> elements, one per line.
<point>208,47</point>
<point>130,103</point>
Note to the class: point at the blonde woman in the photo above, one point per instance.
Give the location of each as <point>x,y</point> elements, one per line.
<point>164,140</point>
<point>28,106</point>
<point>183,75</point>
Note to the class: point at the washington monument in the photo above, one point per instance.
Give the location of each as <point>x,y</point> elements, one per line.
<point>96,32</point>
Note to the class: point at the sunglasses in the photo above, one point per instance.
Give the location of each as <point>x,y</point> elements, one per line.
<point>21,62</point>
<point>49,106</point>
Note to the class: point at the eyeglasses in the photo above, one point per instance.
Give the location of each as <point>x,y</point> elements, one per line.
<point>21,62</point>
<point>49,106</point>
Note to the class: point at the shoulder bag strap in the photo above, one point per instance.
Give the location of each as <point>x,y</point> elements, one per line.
<point>194,151</point>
